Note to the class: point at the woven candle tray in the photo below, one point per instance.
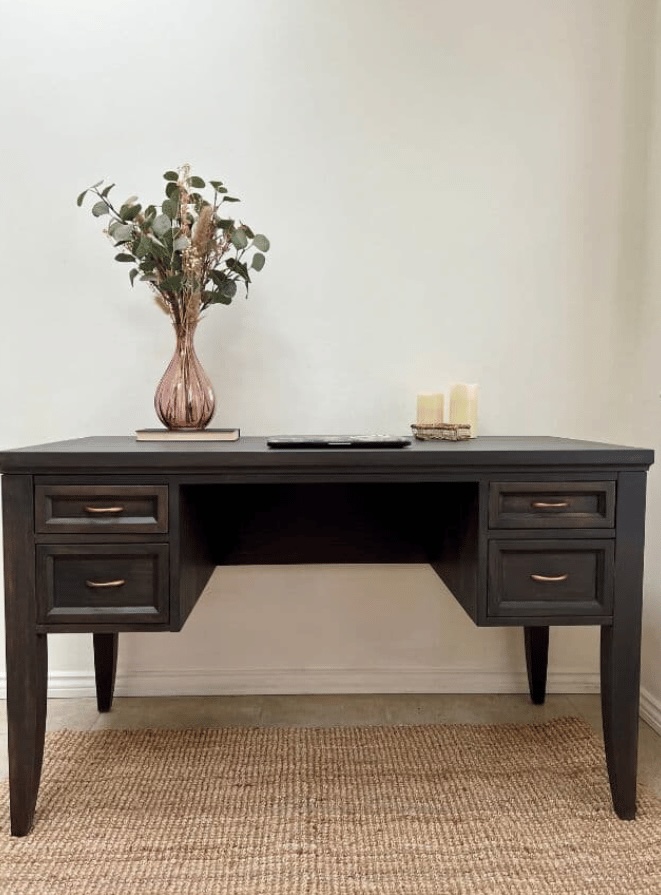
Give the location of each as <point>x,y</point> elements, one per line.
<point>442,432</point>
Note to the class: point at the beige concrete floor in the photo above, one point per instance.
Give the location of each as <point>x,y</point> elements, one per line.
<point>329,711</point>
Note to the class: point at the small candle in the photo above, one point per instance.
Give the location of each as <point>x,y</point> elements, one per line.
<point>429,409</point>
<point>463,405</point>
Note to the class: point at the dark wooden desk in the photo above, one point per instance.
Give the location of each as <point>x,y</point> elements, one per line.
<point>104,535</point>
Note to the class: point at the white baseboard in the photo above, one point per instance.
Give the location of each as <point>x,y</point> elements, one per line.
<point>243,682</point>
<point>650,709</point>
<point>237,682</point>
<point>233,682</point>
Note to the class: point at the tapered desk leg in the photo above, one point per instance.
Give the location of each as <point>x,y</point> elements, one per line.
<point>620,647</point>
<point>105,668</point>
<point>27,654</point>
<point>620,655</point>
<point>537,657</point>
<point>26,722</point>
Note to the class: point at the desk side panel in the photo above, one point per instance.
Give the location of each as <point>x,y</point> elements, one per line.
<point>191,565</point>
<point>456,554</point>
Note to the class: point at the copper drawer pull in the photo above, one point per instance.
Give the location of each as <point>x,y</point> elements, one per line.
<point>544,505</point>
<point>117,583</point>
<point>550,577</point>
<point>104,510</point>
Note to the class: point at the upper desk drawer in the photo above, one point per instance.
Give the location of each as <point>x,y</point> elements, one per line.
<point>84,509</point>
<point>552,505</point>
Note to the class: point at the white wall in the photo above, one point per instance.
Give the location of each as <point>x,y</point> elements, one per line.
<point>641,380</point>
<point>449,189</point>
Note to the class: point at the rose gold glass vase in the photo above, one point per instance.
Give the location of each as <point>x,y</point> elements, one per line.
<point>184,398</point>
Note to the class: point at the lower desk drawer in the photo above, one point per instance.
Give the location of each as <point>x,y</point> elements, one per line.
<point>102,583</point>
<point>550,578</point>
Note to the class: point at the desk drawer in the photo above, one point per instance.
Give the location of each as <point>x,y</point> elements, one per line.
<point>552,505</point>
<point>528,578</point>
<point>120,583</point>
<point>84,509</point>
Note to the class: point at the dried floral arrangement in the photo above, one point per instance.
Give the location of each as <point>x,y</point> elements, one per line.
<point>185,249</point>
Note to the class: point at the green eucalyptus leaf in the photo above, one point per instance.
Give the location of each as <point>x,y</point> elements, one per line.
<point>258,261</point>
<point>104,192</point>
<point>239,239</point>
<point>197,182</point>
<point>171,175</point>
<point>128,212</point>
<point>216,298</point>
<point>181,242</point>
<point>238,267</point>
<point>219,277</point>
<point>99,209</point>
<point>79,200</point>
<point>246,229</point>
<point>172,190</point>
<point>133,274</point>
<point>124,257</point>
<point>261,242</point>
<point>170,208</point>
<point>122,232</point>
<point>144,247</point>
<point>157,249</point>
<point>228,289</point>
<point>172,284</point>
<point>161,224</point>
<point>229,199</point>
<point>217,185</point>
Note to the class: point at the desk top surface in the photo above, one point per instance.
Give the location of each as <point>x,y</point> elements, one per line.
<point>111,454</point>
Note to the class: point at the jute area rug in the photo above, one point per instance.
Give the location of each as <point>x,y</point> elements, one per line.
<point>426,810</point>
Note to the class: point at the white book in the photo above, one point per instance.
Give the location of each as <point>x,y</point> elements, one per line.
<point>187,434</point>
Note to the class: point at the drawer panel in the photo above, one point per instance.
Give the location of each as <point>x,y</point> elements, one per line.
<point>102,583</point>
<point>80,509</point>
<point>558,577</point>
<point>552,505</point>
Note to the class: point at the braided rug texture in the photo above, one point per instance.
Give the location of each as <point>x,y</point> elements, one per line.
<point>425,810</point>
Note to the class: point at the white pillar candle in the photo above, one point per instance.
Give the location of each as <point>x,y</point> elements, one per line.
<point>463,405</point>
<point>429,409</point>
